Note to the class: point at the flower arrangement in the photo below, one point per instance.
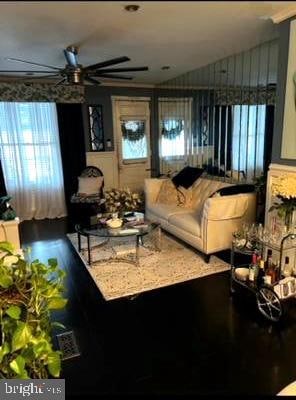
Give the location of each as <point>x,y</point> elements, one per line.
<point>119,200</point>
<point>284,188</point>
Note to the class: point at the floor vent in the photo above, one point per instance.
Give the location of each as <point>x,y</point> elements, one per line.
<point>68,345</point>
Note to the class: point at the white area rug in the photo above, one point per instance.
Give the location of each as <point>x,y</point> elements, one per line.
<point>175,263</point>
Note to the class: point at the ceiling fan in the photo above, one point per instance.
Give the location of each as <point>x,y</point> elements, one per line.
<point>74,73</point>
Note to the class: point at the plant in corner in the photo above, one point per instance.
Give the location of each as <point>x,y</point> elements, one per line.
<point>28,292</point>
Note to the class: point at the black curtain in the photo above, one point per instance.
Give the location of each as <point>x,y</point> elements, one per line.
<point>222,136</point>
<point>3,191</point>
<point>71,129</point>
<point>269,122</point>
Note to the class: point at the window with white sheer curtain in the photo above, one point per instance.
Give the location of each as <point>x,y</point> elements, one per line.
<point>248,139</point>
<point>31,159</point>
<point>174,132</point>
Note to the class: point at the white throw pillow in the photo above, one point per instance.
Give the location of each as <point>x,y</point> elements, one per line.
<point>89,185</point>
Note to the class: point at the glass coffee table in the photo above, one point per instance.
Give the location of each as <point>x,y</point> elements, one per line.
<point>137,232</point>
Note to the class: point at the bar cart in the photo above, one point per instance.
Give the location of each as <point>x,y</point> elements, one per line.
<point>269,298</point>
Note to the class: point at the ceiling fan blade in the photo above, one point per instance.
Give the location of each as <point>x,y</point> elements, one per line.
<point>114,61</point>
<point>36,77</point>
<point>113,76</point>
<point>30,72</point>
<point>70,54</point>
<point>135,69</point>
<point>31,62</point>
<point>91,80</point>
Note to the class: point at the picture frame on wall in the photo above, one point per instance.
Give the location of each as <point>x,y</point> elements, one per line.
<point>96,127</point>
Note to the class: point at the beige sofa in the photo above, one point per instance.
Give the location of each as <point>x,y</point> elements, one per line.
<point>209,222</point>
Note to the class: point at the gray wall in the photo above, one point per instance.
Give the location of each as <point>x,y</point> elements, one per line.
<point>284,31</point>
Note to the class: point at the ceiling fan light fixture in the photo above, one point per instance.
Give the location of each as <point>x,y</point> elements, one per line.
<point>132,7</point>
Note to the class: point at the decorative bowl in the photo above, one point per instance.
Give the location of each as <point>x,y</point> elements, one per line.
<point>242,273</point>
<point>114,223</point>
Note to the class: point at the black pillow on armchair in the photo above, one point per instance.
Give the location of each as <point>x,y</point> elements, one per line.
<point>235,189</point>
<point>187,176</point>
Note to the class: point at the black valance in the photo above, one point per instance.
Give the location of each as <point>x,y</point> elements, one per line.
<point>38,92</point>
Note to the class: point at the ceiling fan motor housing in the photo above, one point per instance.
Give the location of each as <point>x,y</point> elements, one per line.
<point>74,75</point>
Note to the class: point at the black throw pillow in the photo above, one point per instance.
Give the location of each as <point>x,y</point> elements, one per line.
<point>235,189</point>
<point>187,176</point>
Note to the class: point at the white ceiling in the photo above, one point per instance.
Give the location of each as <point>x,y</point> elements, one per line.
<point>184,35</point>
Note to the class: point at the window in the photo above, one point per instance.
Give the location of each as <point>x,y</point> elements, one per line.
<point>172,137</point>
<point>31,160</point>
<point>134,139</point>
<point>248,139</point>
<point>175,127</point>
<point>96,129</point>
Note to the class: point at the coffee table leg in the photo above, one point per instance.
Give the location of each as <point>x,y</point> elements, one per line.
<point>88,249</point>
<point>79,241</point>
<point>138,242</point>
<point>159,237</point>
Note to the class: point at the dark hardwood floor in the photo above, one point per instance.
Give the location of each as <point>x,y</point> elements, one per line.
<point>187,339</point>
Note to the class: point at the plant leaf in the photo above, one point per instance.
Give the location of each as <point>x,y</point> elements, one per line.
<point>5,280</point>
<point>53,262</point>
<point>21,336</point>
<point>14,312</point>
<point>18,366</point>
<point>4,349</point>
<point>56,324</point>
<point>54,363</point>
<point>56,303</point>
<point>8,261</point>
<point>42,347</point>
<point>7,246</point>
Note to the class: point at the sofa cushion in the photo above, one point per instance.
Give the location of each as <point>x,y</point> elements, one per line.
<point>203,189</point>
<point>187,221</point>
<point>164,211</point>
<point>169,194</point>
<point>187,176</point>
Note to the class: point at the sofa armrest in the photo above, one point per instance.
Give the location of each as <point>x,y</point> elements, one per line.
<point>228,207</point>
<point>151,189</point>
<point>221,216</point>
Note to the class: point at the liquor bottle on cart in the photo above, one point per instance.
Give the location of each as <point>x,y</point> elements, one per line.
<point>253,269</point>
<point>268,262</point>
<point>269,270</point>
<point>261,273</point>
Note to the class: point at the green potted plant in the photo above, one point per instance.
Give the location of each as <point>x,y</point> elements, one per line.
<point>28,293</point>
